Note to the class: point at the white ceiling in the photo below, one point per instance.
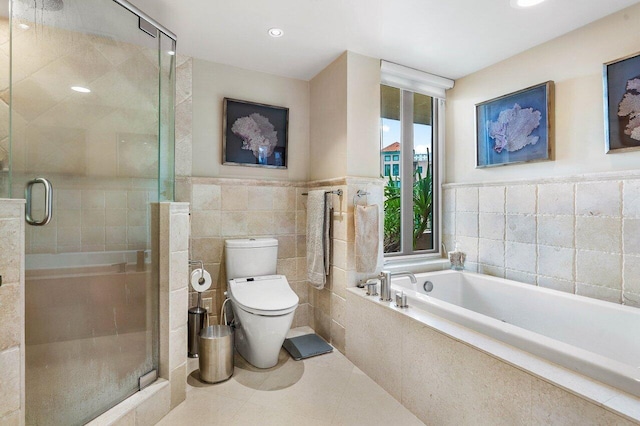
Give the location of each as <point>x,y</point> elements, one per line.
<point>451,38</point>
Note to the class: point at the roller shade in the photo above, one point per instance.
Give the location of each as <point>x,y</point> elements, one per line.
<point>414,80</point>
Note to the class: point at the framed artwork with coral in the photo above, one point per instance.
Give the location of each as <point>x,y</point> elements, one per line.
<point>254,134</point>
<point>622,104</point>
<point>515,128</point>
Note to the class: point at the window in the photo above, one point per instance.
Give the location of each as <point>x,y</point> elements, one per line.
<point>387,158</point>
<point>412,109</point>
<point>396,169</point>
<point>387,169</point>
<point>396,158</point>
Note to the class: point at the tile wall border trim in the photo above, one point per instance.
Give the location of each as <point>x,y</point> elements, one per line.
<point>594,177</point>
<point>241,181</point>
<point>346,180</point>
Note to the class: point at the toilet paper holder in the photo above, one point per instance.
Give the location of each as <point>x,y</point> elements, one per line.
<point>201,263</point>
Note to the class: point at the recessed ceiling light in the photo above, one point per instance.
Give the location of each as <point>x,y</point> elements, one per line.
<point>80,89</point>
<point>521,4</point>
<point>24,26</point>
<point>171,52</point>
<point>276,32</point>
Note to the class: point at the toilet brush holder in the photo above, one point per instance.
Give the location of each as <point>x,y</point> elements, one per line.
<point>198,319</point>
<point>198,316</point>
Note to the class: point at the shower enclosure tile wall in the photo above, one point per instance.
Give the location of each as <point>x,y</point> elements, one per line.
<point>173,245</point>
<point>108,208</point>
<point>151,404</point>
<point>12,345</point>
<point>184,94</point>
<point>91,292</point>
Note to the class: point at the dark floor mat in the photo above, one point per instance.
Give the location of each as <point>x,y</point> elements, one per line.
<point>306,346</point>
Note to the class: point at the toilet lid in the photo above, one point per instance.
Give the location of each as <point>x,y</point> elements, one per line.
<point>268,293</point>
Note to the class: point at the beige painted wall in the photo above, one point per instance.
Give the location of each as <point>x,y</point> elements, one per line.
<point>363,116</point>
<point>574,61</point>
<point>345,111</point>
<point>211,83</point>
<point>328,129</point>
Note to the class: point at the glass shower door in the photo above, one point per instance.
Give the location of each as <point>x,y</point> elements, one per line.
<point>85,99</point>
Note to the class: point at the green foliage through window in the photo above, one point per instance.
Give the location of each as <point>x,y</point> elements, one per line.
<point>422,210</point>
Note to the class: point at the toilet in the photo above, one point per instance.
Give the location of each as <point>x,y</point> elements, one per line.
<point>263,303</point>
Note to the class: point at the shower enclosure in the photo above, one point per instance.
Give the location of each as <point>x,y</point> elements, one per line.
<point>87,137</point>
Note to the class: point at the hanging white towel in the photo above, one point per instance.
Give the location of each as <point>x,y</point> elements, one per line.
<point>367,238</point>
<point>318,238</point>
<point>326,232</point>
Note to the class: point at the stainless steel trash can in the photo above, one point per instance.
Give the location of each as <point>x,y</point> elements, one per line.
<point>196,320</point>
<point>215,345</point>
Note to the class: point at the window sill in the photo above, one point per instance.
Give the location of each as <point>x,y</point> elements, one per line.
<point>415,264</point>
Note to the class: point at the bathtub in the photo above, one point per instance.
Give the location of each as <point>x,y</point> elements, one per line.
<point>598,339</point>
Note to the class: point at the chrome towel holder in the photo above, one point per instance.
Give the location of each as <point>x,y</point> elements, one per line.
<point>361,193</point>
<point>337,192</point>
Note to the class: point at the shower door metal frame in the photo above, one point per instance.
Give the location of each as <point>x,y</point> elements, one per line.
<point>133,9</point>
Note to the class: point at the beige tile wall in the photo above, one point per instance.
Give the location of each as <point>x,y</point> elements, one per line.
<point>445,381</point>
<point>174,268</point>
<point>244,208</point>
<point>329,304</point>
<point>578,235</point>
<point>240,208</point>
<point>12,343</point>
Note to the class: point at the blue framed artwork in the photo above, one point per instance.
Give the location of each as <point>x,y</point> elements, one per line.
<point>515,128</point>
<point>254,134</point>
<point>622,104</point>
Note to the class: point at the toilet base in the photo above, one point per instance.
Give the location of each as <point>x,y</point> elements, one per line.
<point>259,338</point>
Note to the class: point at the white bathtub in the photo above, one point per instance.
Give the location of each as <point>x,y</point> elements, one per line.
<point>598,339</point>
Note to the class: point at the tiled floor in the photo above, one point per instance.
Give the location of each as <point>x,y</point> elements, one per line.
<point>325,390</point>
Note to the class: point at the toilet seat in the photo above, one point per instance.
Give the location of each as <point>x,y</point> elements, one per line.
<point>269,295</point>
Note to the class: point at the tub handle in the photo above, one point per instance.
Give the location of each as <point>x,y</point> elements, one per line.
<point>401,300</point>
<point>372,288</point>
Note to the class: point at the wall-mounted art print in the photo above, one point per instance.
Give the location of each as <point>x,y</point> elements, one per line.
<point>254,134</point>
<point>515,128</point>
<point>622,104</point>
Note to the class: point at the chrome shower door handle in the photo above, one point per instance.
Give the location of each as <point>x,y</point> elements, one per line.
<point>48,201</point>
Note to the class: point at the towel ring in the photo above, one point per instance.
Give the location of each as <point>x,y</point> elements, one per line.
<point>359,194</point>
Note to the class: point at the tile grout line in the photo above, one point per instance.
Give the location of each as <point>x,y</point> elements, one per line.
<point>574,193</point>
<point>622,245</point>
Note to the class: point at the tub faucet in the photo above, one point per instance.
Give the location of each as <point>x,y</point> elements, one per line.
<point>385,283</point>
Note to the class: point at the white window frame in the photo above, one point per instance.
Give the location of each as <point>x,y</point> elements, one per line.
<point>416,81</point>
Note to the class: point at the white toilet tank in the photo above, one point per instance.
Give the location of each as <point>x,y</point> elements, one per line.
<point>253,257</point>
